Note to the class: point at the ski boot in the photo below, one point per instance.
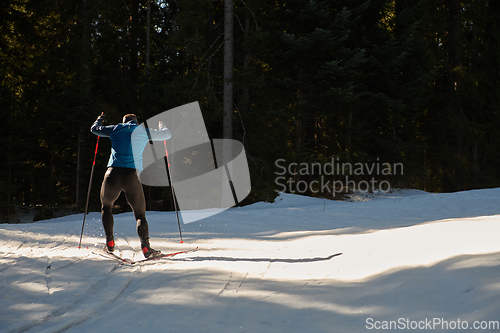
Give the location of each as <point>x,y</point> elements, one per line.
<point>110,244</point>
<point>149,252</point>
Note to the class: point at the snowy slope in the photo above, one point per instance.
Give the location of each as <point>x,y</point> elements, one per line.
<point>297,265</point>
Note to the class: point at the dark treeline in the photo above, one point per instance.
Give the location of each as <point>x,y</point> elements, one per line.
<point>399,81</point>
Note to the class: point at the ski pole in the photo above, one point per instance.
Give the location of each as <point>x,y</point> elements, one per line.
<point>172,187</point>
<point>88,192</point>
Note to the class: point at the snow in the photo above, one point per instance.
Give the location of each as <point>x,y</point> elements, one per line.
<point>404,258</point>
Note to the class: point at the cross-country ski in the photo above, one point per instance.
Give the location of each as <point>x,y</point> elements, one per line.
<point>128,261</point>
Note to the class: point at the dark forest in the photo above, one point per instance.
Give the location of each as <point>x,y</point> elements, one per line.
<point>411,83</point>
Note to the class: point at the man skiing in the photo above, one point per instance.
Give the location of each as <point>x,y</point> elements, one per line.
<point>124,166</point>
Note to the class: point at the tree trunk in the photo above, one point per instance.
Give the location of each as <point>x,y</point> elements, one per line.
<point>453,180</point>
<point>245,91</point>
<point>173,6</point>
<point>148,39</point>
<point>85,87</point>
<point>9,186</point>
<point>134,53</point>
<point>77,199</point>
<point>228,71</point>
<point>227,121</point>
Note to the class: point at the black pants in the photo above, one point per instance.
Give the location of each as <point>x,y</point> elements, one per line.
<point>115,181</point>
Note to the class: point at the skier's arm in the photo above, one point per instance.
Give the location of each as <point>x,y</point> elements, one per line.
<point>98,129</point>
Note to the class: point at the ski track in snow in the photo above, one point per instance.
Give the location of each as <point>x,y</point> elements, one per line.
<point>89,301</point>
<point>299,264</point>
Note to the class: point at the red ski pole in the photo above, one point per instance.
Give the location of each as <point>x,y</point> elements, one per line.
<point>88,192</point>
<point>172,187</point>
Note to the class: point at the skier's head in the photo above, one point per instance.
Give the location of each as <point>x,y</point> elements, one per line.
<point>129,117</point>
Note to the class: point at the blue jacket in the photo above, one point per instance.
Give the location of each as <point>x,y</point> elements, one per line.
<point>127,149</point>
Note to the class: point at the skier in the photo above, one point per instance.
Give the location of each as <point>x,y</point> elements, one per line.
<point>124,166</point>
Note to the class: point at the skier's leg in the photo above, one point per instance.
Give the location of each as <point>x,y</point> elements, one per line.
<point>110,191</point>
<point>135,197</point>
<point>134,194</point>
